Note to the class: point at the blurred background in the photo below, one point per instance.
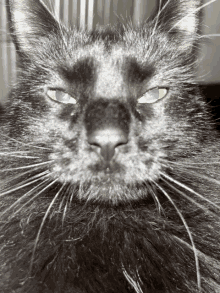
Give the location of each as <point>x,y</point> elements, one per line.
<point>86,14</point>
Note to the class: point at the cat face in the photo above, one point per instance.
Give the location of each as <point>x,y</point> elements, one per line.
<point>109,177</point>
<point>105,104</point>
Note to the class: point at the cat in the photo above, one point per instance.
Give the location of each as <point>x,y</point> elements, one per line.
<point>110,165</point>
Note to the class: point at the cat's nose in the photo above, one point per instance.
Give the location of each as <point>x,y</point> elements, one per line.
<point>107,140</point>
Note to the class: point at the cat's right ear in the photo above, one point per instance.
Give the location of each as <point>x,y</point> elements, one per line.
<point>30,22</point>
<point>180,20</point>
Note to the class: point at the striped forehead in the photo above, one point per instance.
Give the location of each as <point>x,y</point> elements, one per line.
<point>108,72</point>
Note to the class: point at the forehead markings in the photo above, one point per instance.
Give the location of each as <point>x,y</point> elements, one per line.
<point>137,72</point>
<point>82,71</point>
<point>117,73</point>
<point>109,72</point>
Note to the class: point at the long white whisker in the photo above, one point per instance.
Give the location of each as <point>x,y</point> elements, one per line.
<point>156,200</point>
<point>64,213</point>
<point>6,182</point>
<point>23,143</point>
<point>14,150</point>
<point>23,196</point>
<point>157,17</point>
<point>36,195</point>
<point>190,169</point>
<point>66,205</point>
<point>189,189</point>
<point>189,246</point>
<point>26,167</point>
<point>189,233</point>
<point>161,10</point>
<point>189,164</point>
<point>42,224</point>
<point>187,197</point>
<point>71,198</point>
<point>132,282</point>
<point>18,155</point>
<point>206,177</point>
<point>23,185</point>
<point>209,36</point>
<point>61,204</point>
<point>190,13</point>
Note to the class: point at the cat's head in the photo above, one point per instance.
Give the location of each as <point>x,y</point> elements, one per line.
<point>110,107</point>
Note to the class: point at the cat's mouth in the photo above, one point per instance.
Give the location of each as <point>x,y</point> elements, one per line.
<point>106,167</point>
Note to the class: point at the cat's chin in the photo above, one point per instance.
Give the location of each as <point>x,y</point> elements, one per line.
<point>111,190</point>
<point>111,183</point>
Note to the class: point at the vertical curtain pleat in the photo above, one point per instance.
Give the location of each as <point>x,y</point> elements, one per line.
<point>57,5</point>
<point>90,14</point>
<point>74,15</point>
<point>4,52</point>
<point>82,14</point>
<point>107,11</point>
<point>100,6</point>
<point>66,10</point>
<point>115,11</point>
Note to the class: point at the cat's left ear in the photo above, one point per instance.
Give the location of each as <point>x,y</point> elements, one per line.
<point>29,22</point>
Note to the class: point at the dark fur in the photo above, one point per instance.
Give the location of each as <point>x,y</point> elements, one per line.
<point>99,225</point>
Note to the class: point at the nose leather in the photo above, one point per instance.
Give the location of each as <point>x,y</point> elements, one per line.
<point>107,140</point>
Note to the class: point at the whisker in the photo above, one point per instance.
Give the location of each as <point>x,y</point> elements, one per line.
<point>23,197</point>
<point>64,213</point>
<point>189,234</point>
<point>193,12</point>
<point>61,204</point>
<point>213,180</point>
<point>190,246</point>
<point>36,195</point>
<point>156,200</point>
<point>23,143</point>
<point>43,222</point>
<point>187,197</point>
<point>189,189</point>
<point>189,168</point>
<point>132,282</point>
<point>18,156</point>
<point>157,18</point>
<point>189,163</point>
<point>15,177</point>
<point>26,167</point>
<point>71,198</point>
<point>23,185</point>
<point>66,205</point>
<point>161,10</point>
<point>209,36</point>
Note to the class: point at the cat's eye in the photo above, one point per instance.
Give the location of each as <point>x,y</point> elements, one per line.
<point>60,96</point>
<point>153,95</point>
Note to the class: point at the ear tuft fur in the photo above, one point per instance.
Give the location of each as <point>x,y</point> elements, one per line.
<point>180,18</point>
<point>29,20</point>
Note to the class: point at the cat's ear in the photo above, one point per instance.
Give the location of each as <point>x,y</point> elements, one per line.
<point>181,19</point>
<point>29,22</point>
